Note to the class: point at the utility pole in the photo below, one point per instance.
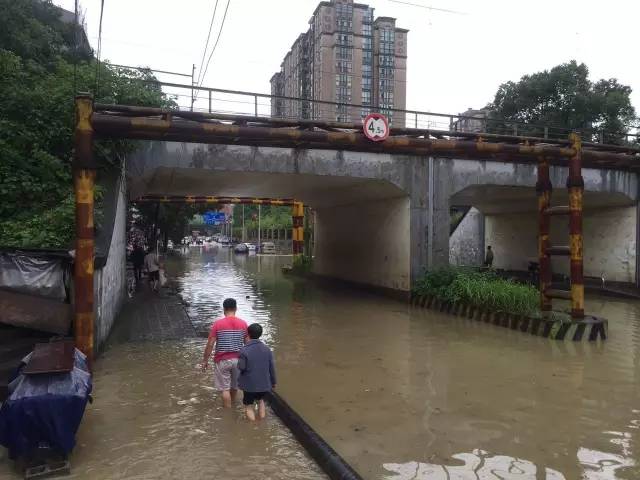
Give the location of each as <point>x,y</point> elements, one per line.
<point>193,79</point>
<point>243,239</point>
<point>84,175</point>
<point>259,232</point>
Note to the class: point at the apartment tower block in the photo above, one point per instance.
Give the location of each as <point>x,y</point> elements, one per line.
<point>346,57</point>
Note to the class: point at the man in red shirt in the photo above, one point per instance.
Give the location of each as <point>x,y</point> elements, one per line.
<point>228,335</point>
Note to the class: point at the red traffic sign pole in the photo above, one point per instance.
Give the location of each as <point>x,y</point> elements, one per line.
<point>376,127</point>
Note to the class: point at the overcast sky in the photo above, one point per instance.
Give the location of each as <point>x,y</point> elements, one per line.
<point>454,61</point>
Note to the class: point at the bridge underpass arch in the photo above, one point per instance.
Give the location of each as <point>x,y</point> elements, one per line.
<point>505,217</point>
<point>364,205</point>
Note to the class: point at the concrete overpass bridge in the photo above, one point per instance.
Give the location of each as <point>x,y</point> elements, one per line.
<point>382,219</point>
<point>382,209</point>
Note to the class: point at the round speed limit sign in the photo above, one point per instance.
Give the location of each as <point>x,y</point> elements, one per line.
<point>376,127</point>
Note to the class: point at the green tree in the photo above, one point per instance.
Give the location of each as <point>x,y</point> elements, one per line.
<point>565,97</point>
<point>40,71</point>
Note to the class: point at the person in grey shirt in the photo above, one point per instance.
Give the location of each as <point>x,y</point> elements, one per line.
<point>257,372</point>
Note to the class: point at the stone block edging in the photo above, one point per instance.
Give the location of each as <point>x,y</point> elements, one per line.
<point>590,329</point>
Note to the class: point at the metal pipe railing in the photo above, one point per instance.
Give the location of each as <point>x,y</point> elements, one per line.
<point>126,110</point>
<point>515,128</point>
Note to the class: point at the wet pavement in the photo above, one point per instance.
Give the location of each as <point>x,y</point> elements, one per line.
<point>399,392</point>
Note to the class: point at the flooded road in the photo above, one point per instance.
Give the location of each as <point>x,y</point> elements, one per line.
<point>399,392</point>
<point>406,393</point>
<point>156,417</point>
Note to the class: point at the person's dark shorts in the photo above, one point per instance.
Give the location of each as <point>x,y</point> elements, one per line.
<point>154,276</point>
<point>249,398</point>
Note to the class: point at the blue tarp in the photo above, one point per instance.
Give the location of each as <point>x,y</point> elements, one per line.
<point>45,410</point>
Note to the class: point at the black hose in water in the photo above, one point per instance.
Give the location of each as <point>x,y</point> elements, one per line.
<point>325,456</point>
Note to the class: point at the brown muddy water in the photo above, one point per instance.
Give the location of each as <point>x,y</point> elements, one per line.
<point>399,392</point>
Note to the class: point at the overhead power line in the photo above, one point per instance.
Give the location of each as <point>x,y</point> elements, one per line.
<point>206,44</point>
<point>143,69</point>
<point>224,17</point>
<point>99,49</point>
<point>427,7</point>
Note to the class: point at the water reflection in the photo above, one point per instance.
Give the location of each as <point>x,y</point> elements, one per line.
<point>478,465</point>
<point>481,465</point>
<point>206,276</point>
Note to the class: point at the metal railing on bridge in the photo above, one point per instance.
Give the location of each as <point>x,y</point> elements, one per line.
<point>253,104</point>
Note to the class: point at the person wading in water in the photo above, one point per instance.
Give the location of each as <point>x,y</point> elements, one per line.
<point>228,335</point>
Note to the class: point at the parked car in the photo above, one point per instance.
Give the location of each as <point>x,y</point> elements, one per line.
<point>268,248</point>
<point>241,248</point>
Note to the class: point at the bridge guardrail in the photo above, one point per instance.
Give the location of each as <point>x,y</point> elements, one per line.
<point>255,104</point>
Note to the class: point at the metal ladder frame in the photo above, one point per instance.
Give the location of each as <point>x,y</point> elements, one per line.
<point>575,185</point>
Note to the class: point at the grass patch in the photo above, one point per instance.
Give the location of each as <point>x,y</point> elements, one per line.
<point>481,289</point>
<point>302,264</point>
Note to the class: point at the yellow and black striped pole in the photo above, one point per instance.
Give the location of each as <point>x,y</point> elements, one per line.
<point>298,228</point>
<point>543,189</point>
<point>84,174</point>
<point>575,184</point>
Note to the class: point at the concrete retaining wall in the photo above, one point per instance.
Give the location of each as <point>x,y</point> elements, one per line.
<point>365,243</point>
<point>609,242</point>
<point>110,280</point>
<point>466,247</point>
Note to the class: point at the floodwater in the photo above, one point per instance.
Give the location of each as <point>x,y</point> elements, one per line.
<point>399,392</point>
<point>406,393</point>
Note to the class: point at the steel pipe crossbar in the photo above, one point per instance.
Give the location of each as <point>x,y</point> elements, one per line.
<point>164,126</point>
<point>214,200</point>
<point>128,110</point>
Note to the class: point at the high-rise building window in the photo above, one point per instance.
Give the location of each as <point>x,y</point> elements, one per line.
<point>344,9</point>
<point>344,25</point>
<point>368,16</point>
<point>386,72</point>
<point>366,97</point>
<point>366,29</point>
<point>343,94</point>
<point>344,66</point>
<point>387,35</point>
<point>345,40</point>
<point>386,60</point>
<point>367,57</point>
<point>342,113</point>
<point>367,83</point>
<point>343,80</point>
<point>386,97</point>
<point>366,70</point>
<point>386,48</point>
<point>343,53</point>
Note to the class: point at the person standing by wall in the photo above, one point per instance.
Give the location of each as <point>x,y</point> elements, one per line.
<point>488,259</point>
<point>137,258</point>
<point>152,265</point>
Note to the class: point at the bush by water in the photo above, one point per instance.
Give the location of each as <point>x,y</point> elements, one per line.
<point>483,289</point>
